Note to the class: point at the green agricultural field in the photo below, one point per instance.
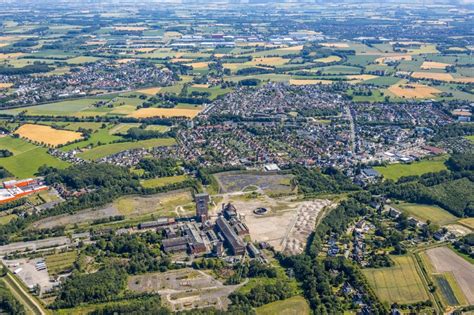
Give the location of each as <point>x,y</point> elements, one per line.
<point>435,214</point>
<point>60,263</point>
<point>340,70</point>
<point>122,128</point>
<point>81,60</point>
<point>292,306</point>
<point>395,171</point>
<point>215,91</point>
<point>400,283</point>
<point>27,158</point>
<point>470,138</point>
<point>102,136</point>
<point>74,126</point>
<point>162,181</point>
<point>112,148</point>
<point>382,81</point>
<point>67,108</point>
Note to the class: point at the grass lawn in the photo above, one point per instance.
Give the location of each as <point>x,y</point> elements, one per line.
<point>395,171</point>
<point>27,158</point>
<point>7,218</point>
<point>426,212</point>
<point>400,283</point>
<point>162,181</point>
<point>292,306</point>
<point>471,138</point>
<point>376,96</point>
<point>112,148</point>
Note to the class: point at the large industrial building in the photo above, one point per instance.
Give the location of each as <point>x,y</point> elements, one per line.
<point>16,189</point>
<point>202,207</point>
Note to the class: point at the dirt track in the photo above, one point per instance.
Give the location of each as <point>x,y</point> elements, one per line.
<point>444,259</point>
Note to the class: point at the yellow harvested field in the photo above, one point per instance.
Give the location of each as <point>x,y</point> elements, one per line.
<point>198,65</point>
<point>150,91</point>
<point>47,134</point>
<point>329,59</point>
<point>10,56</point>
<point>96,42</point>
<point>292,48</point>
<point>250,44</point>
<point>436,76</point>
<point>130,28</point>
<point>268,61</point>
<point>126,60</point>
<point>220,55</point>
<point>434,65</point>
<point>165,112</point>
<point>413,91</point>
<point>202,86</point>
<point>468,222</point>
<point>383,60</point>
<point>356,78</point>
<point>182,60</point>
<point>5,85</point>
<point>465,80</point>
<point>145,50</point>
<point>306,82</point>
<point>335,45</point>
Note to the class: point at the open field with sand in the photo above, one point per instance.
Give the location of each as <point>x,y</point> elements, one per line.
<point>287,223</point>
<point>184,288</point>
<point>165,112</point>
<point>400,283</point>
<point>444,259</point>
<point>239,181</point>
<point>47,134</point>
<point>413,90</point>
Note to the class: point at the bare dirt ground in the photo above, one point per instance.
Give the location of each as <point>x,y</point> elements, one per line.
<point>163,204</point>
<point>287,224</point>
<point>82,216</point>
<point>444,259</point>
<point>184,288</point>
<point>270,183</point>
<point>35,245</point>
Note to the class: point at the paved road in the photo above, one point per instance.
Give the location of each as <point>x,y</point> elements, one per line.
<point>352,125</point>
